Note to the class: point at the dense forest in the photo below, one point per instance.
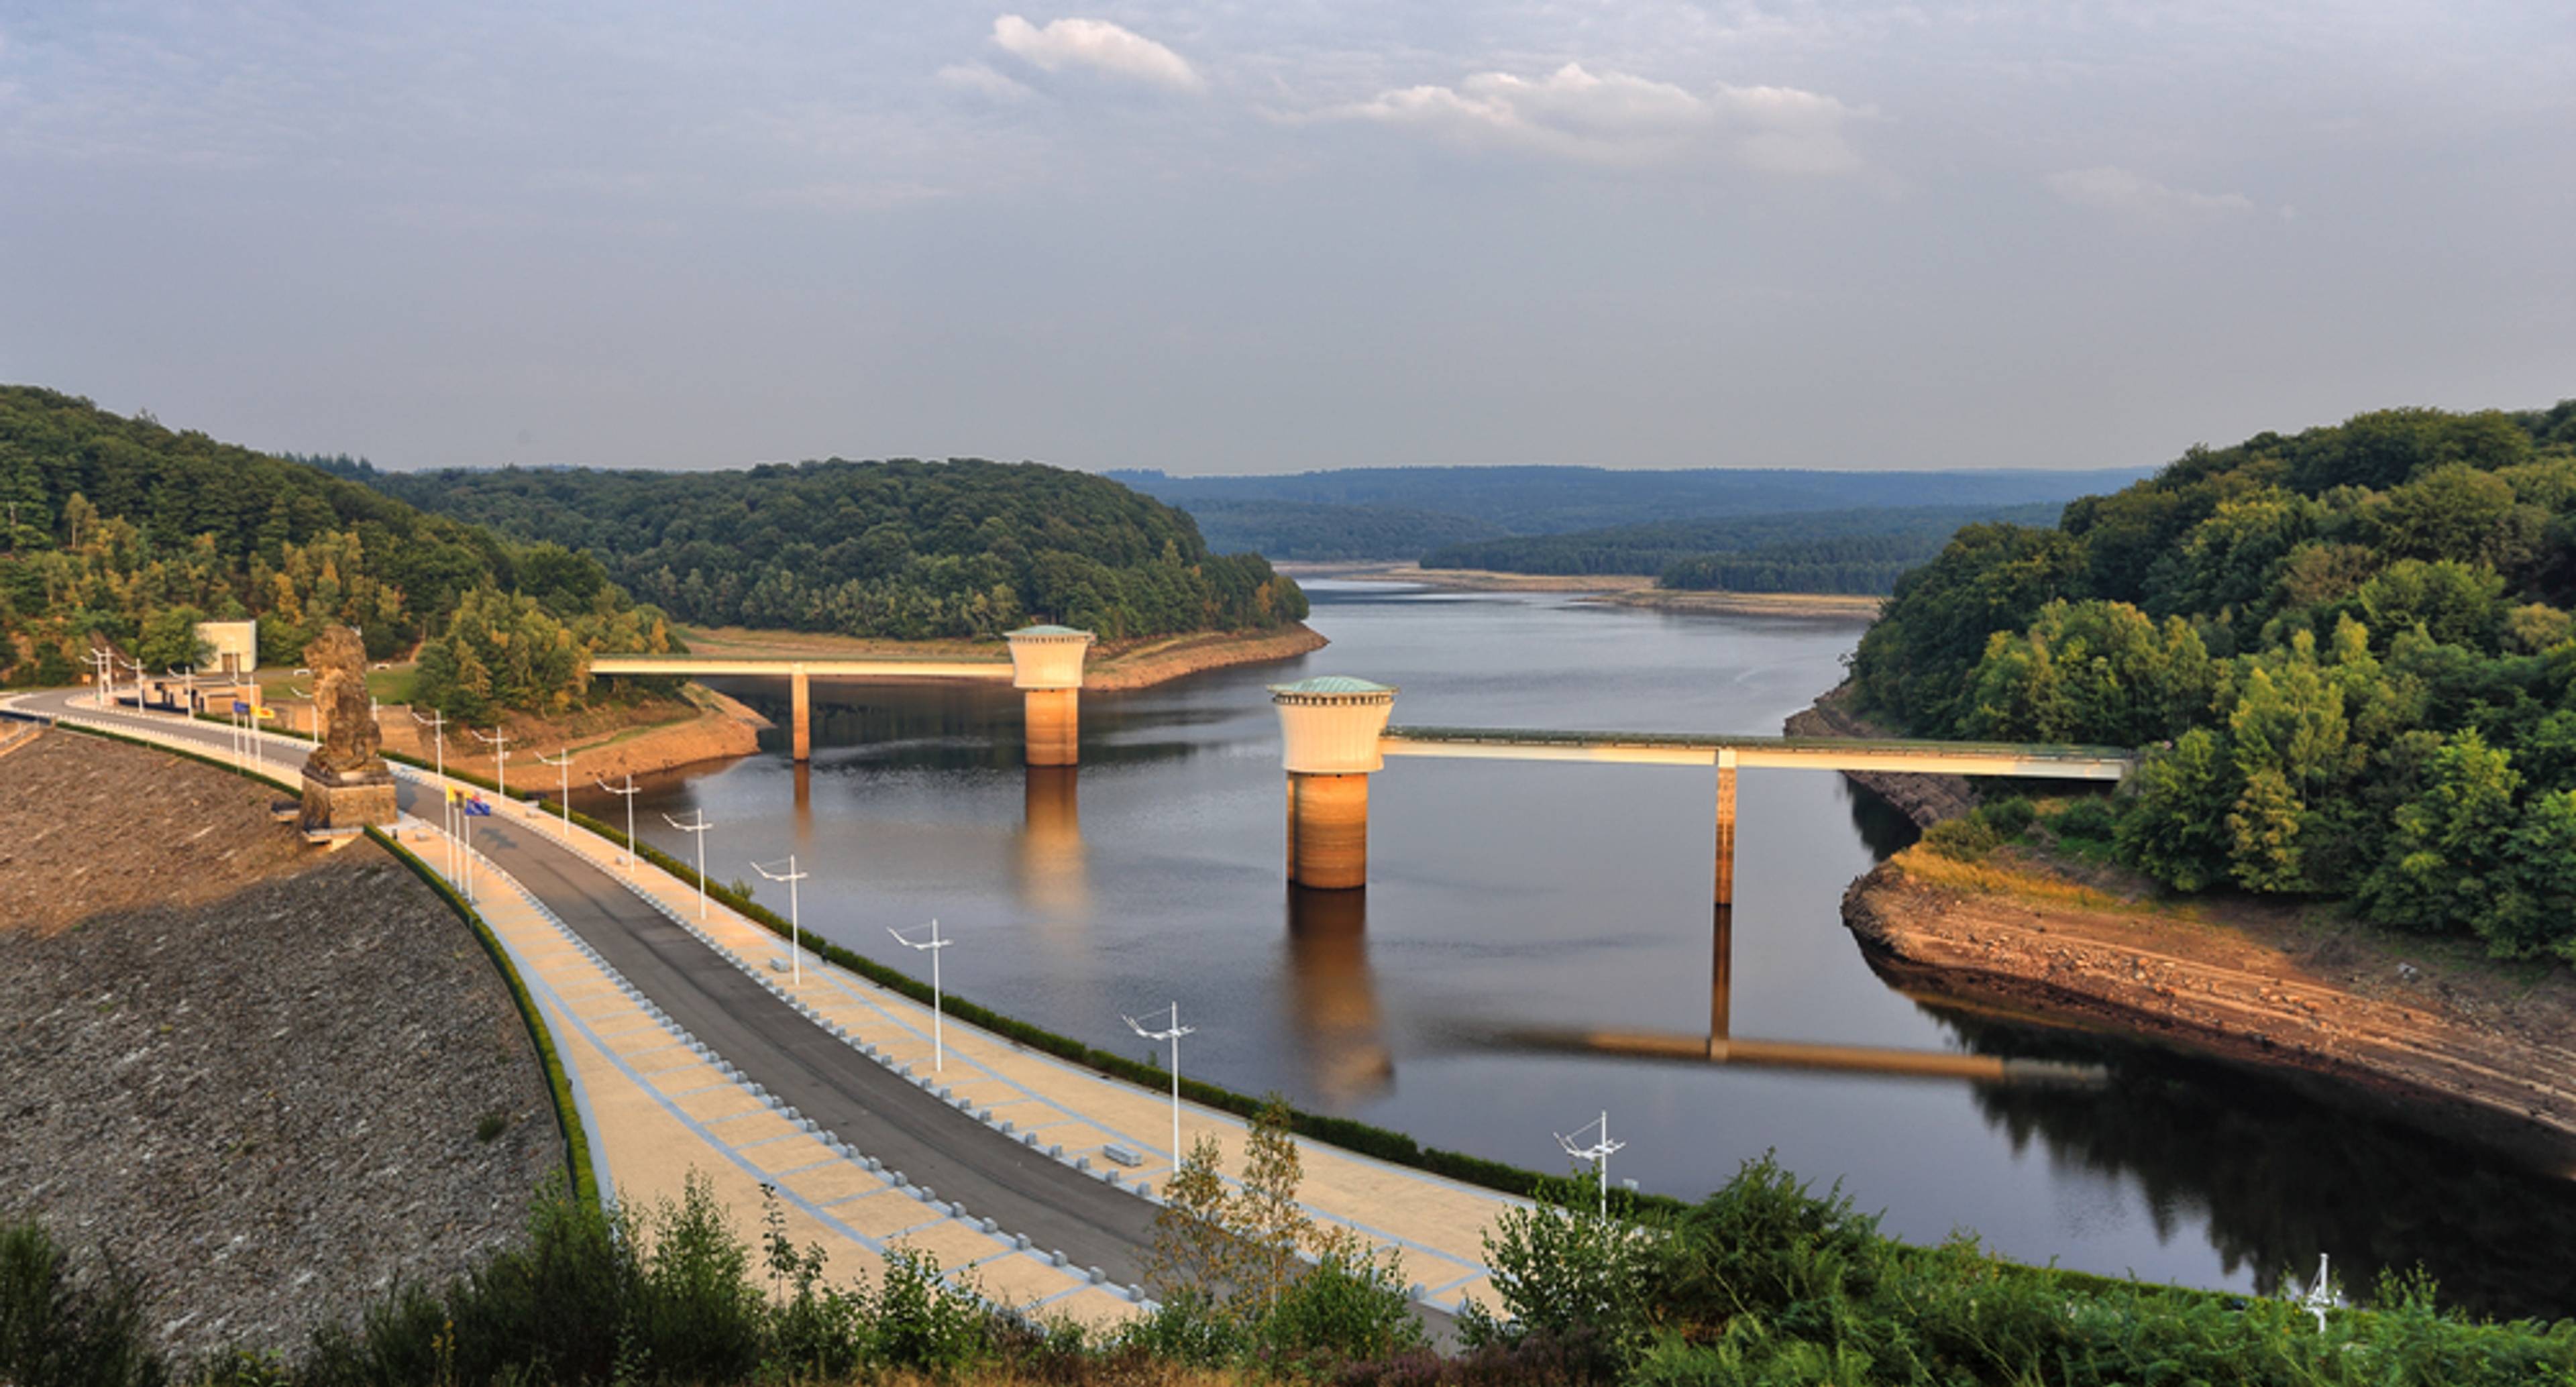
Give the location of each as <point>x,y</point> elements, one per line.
<point>903,548</point>
<point>2349,650</point>
<point>131,531</point>
<point>1407,512</point>
<point>1315,532</point>
<point>1845,551</point>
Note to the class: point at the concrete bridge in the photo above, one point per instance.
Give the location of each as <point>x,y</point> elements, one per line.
<point>1335,734</point>
<point>1045,665</point>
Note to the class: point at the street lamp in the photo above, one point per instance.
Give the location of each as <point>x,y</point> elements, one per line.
<point>933,946</point>
<point>700,830</point>
<point>1172,1034</point>
<point>1598,1153</point>
<point>316,712</point>
<point>500,760</point>
<point>795,927</point>
<point>629,790</point>
<point>446,812</point>
<point>562,761</point>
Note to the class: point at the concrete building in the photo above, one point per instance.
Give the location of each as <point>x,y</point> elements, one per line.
<point>1329,729</point>
<point>232,648</point>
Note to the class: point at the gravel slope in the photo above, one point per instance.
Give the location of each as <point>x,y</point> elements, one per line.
<point>253,1069</point>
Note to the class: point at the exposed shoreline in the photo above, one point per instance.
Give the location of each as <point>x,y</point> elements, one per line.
<point>1610,589</point>
<point>2449,1040</point>
<point>2435,1032</point>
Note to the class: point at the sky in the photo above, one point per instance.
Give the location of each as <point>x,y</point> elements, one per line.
<point>1292,234</point>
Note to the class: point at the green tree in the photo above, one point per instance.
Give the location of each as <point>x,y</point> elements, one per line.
<point>2175,828</point>
<point>2443,867</point>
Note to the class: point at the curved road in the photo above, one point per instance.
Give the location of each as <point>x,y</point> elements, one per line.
<point>882,1114</point>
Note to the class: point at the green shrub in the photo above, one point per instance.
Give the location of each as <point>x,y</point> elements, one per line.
<point>2009,817</point>
<point>62,1328</point>
<point>1964,840</point>
<point>2087,820</point>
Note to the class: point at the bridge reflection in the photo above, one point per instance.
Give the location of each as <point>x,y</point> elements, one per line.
<point>1722,1046</point>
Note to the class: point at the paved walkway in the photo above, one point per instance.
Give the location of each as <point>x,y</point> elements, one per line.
<point>660,1103</point>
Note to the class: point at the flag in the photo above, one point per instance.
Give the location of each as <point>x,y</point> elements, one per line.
<point>452,795</point>
<point>265,711</point>
<point>240,707</point>
<point>478,807</point>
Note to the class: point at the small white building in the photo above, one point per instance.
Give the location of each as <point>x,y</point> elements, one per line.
<point>232,647</point>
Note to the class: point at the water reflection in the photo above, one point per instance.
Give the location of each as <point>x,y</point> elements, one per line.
<point>1053,878</point>
<point>1333,997</point>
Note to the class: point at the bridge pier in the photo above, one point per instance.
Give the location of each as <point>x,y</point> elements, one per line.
<point>1046,666</point>
<point>800,694</point>
<point>1725,828</point>
<point>1329,733</point>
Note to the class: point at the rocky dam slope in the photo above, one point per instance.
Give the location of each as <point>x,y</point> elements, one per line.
<point>271,1077</point>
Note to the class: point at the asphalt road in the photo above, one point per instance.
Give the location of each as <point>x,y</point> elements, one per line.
<point>865,1104</point>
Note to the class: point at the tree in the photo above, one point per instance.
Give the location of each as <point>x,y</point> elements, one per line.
<point>2175,828</point>
<point>2443,867</point>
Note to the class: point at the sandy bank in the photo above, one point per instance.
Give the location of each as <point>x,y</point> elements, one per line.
<point>606,742</point>
<point>1808,605</point>
<point>1926,799</point>
<point>2469,1046</point>
<point>1470,579</point>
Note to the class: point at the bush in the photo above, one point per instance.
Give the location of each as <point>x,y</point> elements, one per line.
<point>2088,820</point>
<point>59,1328</point>
<point>1963,840</point>
<point>2009,817</point>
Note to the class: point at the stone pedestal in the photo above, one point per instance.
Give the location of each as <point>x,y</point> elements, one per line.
<point>347,801</point>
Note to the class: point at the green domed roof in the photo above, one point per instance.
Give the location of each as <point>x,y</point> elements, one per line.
<point>1332,684</point>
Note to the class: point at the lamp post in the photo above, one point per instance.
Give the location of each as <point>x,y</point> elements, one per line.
<point>500,759</point>
<point>1173,1033</point>
<point>446,811</point>
<point>562,761</point>
<point>700,830</point>
<point>795,925</point>
<point>1598,1153</point>
<point>932,946</point>
<point>315,712</point>
<point>187,698</point>
<point>629,790</point>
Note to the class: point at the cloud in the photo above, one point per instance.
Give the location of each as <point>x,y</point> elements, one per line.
<point>2112,189</point>
<point>1099,45</point>
<point>1613,117</point>
<point>983,81</point>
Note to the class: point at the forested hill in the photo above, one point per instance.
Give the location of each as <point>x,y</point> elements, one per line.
<point>2350,648</point>
<point>1846,551</point>
<point>904,548</point>
<point>1405,512</point>
<point>124,528</point>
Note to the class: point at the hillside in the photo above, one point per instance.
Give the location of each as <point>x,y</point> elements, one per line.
<point>127,529</point>
<point>1846,551</point>
<point>2352,648</point>
<point>1406,512</point>
<point>904,548</point>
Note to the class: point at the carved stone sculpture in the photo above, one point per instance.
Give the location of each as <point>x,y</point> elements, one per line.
<point>347,784</point>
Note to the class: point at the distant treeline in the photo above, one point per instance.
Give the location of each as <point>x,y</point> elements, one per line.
<point>1408,512</point>
<point>905,548</point>
<point>1848,551</point>
<point>1315,532</point>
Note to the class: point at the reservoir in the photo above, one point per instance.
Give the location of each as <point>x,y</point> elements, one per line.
<point>1508,898</point>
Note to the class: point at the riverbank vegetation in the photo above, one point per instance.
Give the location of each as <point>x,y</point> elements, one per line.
<point>905,549</point>
<point>2349,651</point>
<point>1764,1282</point>
<point>126,530</point>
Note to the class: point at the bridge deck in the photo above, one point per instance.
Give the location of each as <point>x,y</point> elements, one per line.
<point>1812,753</point>
<point>783,667</point>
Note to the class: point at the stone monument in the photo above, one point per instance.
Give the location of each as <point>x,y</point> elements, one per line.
<point>347,785</point>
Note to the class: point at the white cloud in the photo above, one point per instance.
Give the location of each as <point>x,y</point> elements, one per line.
<point>1613,117</point>
<point>1099,45</point>
<point>2112,189</point>
<point>983,81</point>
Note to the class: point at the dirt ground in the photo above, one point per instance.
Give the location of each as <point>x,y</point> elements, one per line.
<point>272,1077</point>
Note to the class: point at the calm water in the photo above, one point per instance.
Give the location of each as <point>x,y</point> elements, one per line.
<point>1513,896</point>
